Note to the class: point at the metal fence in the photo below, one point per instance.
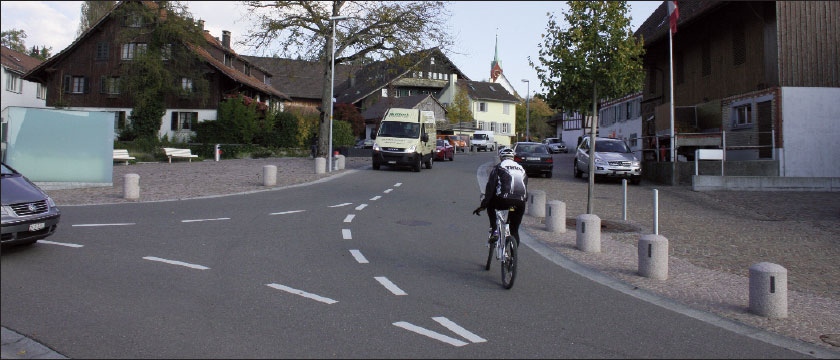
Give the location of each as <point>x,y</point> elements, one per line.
<point>733,140</point>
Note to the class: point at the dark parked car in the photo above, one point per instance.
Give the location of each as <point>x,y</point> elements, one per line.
<point>443,150</point>
<point>534,157</point>
<point>364,144</point>
<point>28,214</point>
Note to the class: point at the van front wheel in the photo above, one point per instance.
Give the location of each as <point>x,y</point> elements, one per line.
<point>416,167</point>
<point>429,162</point>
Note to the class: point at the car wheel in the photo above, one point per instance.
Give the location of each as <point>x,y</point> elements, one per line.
<point>375,165</point>
<point>549,174</point>
<point>578,173</point>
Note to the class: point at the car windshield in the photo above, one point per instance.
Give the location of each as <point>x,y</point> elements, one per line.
<point>555,141</point>
<point>399,129</point>
<point>531,148</point>
<point>611,146</point>
<point>6,170</point>
<point>440,143</point>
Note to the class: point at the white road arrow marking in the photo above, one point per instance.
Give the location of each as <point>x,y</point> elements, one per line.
<point>429,333</point>
<point>466,334</point>
<point>303,293</point>
<point>173,262</point>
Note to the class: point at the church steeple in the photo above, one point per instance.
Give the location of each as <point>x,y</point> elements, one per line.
<point>495,65</point>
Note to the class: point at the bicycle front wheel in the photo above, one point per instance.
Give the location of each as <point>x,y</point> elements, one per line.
<point>489,256</point>
<point>509,263</point>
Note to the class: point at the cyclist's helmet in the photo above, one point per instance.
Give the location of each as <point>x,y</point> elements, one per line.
<point>506,153</point>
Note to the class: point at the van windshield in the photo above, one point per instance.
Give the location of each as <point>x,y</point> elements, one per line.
<point>399,129</point>
<point>480,137</point>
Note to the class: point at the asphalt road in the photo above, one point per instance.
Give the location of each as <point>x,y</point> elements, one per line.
<point>382,263</point>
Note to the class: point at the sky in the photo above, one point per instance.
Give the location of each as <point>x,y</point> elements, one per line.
<point>474,25</point>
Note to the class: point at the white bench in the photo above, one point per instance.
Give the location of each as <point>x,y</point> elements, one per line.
<point>121,154</point>
<point>178,153</point>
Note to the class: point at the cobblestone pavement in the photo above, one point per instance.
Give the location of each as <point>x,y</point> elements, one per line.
<point>714,237</point>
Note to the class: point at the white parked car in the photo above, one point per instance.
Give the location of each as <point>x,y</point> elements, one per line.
<point>613,158</point>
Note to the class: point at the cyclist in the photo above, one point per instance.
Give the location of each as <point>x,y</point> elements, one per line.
<point>506,187</point>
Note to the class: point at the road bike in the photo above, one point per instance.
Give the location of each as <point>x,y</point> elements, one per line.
<point>505,248</point>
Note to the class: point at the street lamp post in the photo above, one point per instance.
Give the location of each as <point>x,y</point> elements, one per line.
<point>333,19</point>
<point>527,111</point>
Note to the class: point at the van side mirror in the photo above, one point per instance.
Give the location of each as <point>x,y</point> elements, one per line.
<point>424,137</point>
<point>373,136</point>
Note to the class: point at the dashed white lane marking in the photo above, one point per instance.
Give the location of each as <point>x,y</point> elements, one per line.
<point>199,220</point>
<point>303,293</point>
<point>340,205</point>
<point>59,243</point>
<point>345,233</point>
<point>359,257</point>
<point>377,197</point>
<point>360,207</point>
<point>390,286</point>
<point>349,218</point>
<point>466,334</point>
<point>429,333</point>
<point>287,212</point>
<point>116,224</point>
<point>173,262</point>
<point>387,191</point>
<point>397,184</point>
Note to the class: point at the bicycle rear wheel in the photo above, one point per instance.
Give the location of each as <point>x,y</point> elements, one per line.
<point>509,263</point>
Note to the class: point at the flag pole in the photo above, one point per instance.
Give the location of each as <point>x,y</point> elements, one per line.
<point>673,139</point>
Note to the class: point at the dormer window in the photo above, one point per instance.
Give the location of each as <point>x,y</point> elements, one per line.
<point>433,60</point>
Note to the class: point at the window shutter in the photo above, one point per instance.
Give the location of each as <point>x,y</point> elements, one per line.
<point>86,84</point>
<point>174,123</point>
<point>67,80</point>
<point>102,84</point>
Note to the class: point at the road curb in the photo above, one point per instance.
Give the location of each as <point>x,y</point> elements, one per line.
<point>17,346</point>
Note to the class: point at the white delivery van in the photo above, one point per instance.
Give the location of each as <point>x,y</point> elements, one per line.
<point>406,137</point>
<point>483,140</point>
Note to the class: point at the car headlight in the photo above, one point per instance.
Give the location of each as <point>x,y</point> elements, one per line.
<point>411,149</point>
<point>50,202</point>
<point>376,147</point>
<point>3,211</point>
<point>600,161</point>
<point>636,163</point>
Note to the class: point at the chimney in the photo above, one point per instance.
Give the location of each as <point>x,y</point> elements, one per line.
<point>453,81</point>
<point>226,39</point>
<point>201,24</point>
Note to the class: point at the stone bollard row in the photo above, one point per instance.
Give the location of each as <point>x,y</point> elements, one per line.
<point>768,290</point>
<point>269,175</point>
<point>536,203</point>
<point>555,217</point>
<point>339,162</point>
<point>131,186</point>
<point>320,165</point>
<point>588,233</point>
<point>653,256</point>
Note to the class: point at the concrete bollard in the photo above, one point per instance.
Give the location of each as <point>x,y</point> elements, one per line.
<point>339,160</point>
<point>768,290</point>
<point>269,175</point>
<point>555,217</point>
<point>653,256</point>
<point>131,186</point>
<point>536,203</point>
<point>320,165</point>
<point>588,233</point>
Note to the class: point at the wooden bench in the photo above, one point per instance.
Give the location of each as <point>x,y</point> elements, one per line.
<point>178,153</point>
<point>121,154</point>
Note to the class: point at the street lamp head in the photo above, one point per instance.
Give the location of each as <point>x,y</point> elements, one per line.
<point>526,80</point>
<point>338,17</point>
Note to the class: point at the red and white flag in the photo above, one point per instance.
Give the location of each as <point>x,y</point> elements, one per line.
<point>673,14</point>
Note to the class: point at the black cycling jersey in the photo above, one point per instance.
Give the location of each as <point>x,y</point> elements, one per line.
<point>507,181</point>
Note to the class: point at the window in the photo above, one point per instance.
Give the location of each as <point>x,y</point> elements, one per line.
<point>739,44</point>
<point>633,140</point>
<point>266,79</point>
<point>482,107</point>
<point>78,85</point>
<point>186,85</point>
<point>445,76</point>
<point>246,69</point>
<point>134,20</point>
<point>384,92</point>
<point>166,52</point>
<point>109,85</point>
<point>506,109</point>
<point>433,60</point>
<point>628,111</point>
<point>493,126</point>
<point>228,61</point>
<point>183,120</point>
<point>481,125</point>
<point>131,51</point>
<point>13,82</point>
<point>505,128</point>
<point>102,51</point>
<point>42,92</point>
<point>429,74</point>
<point>742,116</point>
<point>706,56</point>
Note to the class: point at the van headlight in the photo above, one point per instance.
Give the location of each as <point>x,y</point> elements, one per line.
<point>636,163</point>
<point>376,147</point>
<point>411,149</point>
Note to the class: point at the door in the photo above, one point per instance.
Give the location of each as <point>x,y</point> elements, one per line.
<point>765,126</point>
<point>583,155</point>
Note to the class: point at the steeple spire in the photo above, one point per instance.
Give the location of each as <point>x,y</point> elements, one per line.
<point>496,65</point>
<point>496,57</point>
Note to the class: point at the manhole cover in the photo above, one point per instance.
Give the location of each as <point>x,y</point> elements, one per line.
<point>414,223</point>
<point>608,226</point>
<point>831,339</point>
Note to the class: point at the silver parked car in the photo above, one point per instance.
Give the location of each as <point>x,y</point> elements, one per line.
<point>28,214</point>
<point>613,158</point>
<point>555,145</point>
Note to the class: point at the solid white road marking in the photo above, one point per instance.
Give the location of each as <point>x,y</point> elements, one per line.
<point>387,191</point>
<point>360,207</point>
<point>345,233</point>
<point>466,334</point>
<point>377,197</point>
<point>287,212</point>
<point>199,220</point>
<point>359,257</point>
<point>349,218</point>
<point>62,244</point>
<point>429,333</point>
<point>173,262</point>
<point>118,224</point>
<point>302,293</point>
<point>389,285</point>
<point>340,205</point>
<point>397,184</point>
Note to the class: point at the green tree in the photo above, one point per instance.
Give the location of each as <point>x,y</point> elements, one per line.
<point>240,119</point>
<point>14,39</point>
<point>43,53</point>
<point>349,113</point>
<point>540,114</point>
<point>595,55</point>
<point>156,71</point>
<point>385,29</point>
<point>92,11</point>
<point>459,111</point>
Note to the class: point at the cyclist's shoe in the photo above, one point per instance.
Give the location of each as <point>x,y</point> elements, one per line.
<point>493,237</point>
